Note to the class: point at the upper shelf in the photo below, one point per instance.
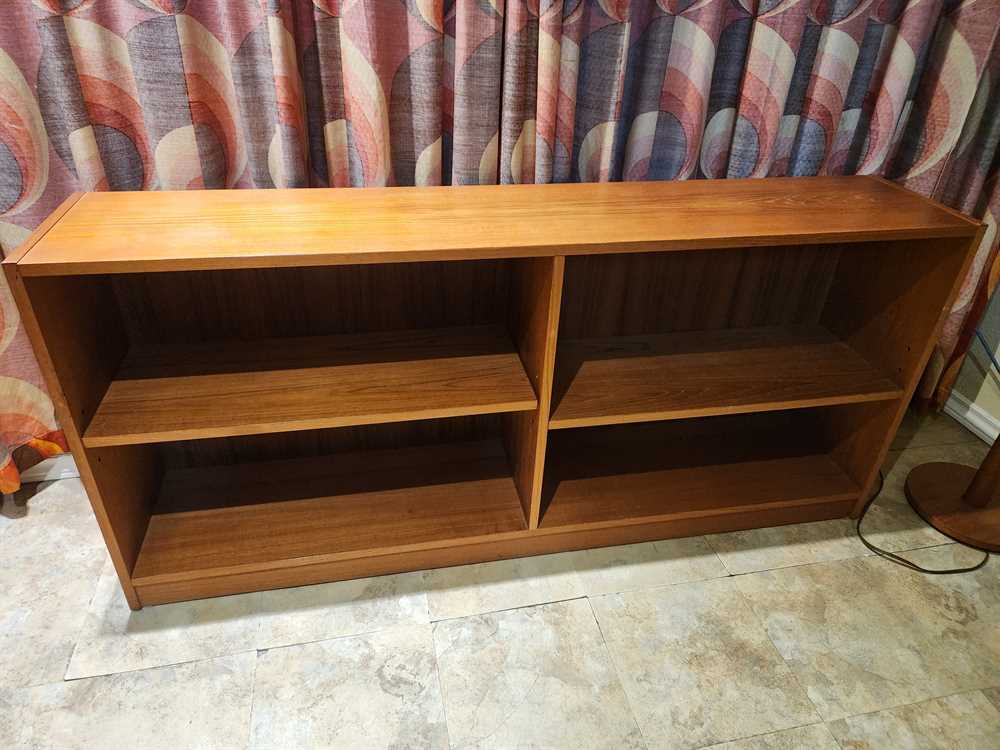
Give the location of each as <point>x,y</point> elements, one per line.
<point>707,373</point>
<point>222,389</point>
<point>198,230</point>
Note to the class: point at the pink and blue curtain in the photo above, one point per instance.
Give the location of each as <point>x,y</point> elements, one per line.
<point>189,94</point>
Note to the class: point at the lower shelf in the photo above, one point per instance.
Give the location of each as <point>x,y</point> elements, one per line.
<point>220,528</point>
<point>227,520</point>
<point>668,472</point>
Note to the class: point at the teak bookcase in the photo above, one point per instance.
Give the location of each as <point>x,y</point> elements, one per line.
<point>276,388</point>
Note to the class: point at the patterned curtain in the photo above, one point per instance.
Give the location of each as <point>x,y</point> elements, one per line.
<point>179,94</point>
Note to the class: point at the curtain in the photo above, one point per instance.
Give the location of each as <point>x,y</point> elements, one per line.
<point>187,94</point>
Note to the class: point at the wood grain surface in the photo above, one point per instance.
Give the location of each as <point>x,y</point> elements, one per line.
<point>198,230</point>
<point>272,385</point>
<point>630,474</point>
<point>701,373</point>
<point>265,514</point>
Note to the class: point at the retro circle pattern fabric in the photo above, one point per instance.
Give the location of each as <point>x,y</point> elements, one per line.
<point>188,94</point>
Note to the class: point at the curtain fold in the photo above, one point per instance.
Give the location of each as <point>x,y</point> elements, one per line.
<point>189,94</point>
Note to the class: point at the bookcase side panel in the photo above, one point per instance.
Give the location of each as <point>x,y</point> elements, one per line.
<point>77,335</point>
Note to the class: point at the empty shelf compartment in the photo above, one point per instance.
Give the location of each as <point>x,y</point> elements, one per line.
<point>661,471</point>
<point>212,520</point>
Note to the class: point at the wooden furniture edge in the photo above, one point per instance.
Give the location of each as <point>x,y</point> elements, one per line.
<point>910,388</point>
<point>717,411</point>
<point>293,260</point>
<point>62,410</point>
<point>200,433</point>
<point>930,201</point>
<point>42,229</point>
<point>508,536</point>
<point>523,544</point>
<point>545,395</point>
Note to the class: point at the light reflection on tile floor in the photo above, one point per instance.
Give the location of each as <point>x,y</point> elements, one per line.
<point>749,640</point>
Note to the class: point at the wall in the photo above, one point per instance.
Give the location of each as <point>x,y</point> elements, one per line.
<point>975,400</point>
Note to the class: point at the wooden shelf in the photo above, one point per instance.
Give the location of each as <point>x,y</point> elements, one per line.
<point>253,517</point>
<point>180,392</point>
<point>655,473</point>
<point>702,373</point>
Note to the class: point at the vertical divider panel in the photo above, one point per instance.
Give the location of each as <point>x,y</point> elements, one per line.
<point>77,334</point>
<point>535,299</point>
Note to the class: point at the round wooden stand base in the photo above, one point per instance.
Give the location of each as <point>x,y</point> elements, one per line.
<point>937,493</point>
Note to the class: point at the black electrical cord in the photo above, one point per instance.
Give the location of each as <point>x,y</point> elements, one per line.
<point>899,560</point>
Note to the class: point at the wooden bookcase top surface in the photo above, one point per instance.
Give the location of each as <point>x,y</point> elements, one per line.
<point>202,230</point>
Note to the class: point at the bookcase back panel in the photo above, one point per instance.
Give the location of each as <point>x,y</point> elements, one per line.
<point>633,294</point>
<point>887,299</point>
<point>180,307</point>
<point>312,443</point>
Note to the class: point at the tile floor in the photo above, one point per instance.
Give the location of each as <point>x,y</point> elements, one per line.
<point>791,637</point>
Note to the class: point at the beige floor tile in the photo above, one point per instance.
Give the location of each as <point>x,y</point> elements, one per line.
<point>372,691</point>
<point>785,546</point>
<point>62,507</point>
<point>115,639</point>
<point>697,665</point>
<point>611,570</point>
<point>506,584</point>
<point>891,523</point>
<point>203,705</point>
<point>15,718</point>
<point>994,696</point>
<point>930,429</point>
<point>537,677</point>
<point>967,722</point>
<point>812,737</point>
<point>57,520</point>
<point>51,554</point>
<point>866,634</point>
<point>331,610</point>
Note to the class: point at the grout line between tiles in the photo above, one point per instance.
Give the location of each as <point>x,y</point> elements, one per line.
<point>253,692</point>
<point>791,670</point>
<point>618,674</point>
<point>437,671</point>
<point>963,691</point>
<point>865,556</point>
<point>509,609</point>
<point>80,627</point>
<point>820,723</point>
<point>718,556</point>
<point>165,665</point>
<point>344,636</point>
<point>800,565</point>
